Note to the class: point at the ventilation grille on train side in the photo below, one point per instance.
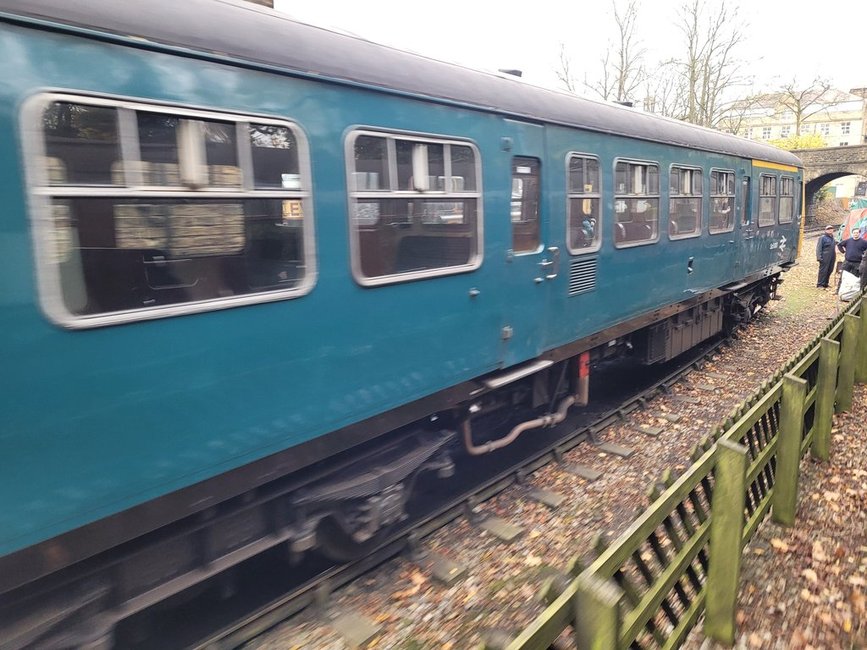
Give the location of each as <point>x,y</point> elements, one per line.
<point>582,276</point>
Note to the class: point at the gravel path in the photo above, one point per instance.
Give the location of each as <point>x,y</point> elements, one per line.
<point>413,611</point>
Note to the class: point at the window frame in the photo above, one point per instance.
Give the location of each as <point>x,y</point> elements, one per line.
<point>537,162</point>
<point>700,217</point>
<point>712,196</point>
<point>352,194</point>
<point>782,180</point>
<point>775,196</point>
<point>657,197</point>
<point>42,193</point>
<point>597,195</point>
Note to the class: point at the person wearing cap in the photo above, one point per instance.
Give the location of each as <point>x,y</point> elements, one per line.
<point>853,250</point>
<point>826,255</point>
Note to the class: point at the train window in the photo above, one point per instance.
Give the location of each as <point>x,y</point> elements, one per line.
<point>746,216</point>
<point>274,151</point>
<point>171,221</point>
<point>722,202</point>
<point>636,203</point>
<point>371,170</point>
<point>583,196</point>
<point>685,202</point>
<point>767,200</point>
<point>463,174</point>
<point>526,236</point>
<point>787,199</point>
<point>414,206</point>
<point>158,146</point>
<point>82,145</point>
<point>178,152</point>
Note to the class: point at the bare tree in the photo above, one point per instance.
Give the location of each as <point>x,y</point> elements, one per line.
<point>621,78</point>
<point>665,93</point>
<point>564,73</point>
<point>628,68</point>
<point>804,103</point>
<point>604,85</point>
<point>710,67</point>
<point>733,118</point>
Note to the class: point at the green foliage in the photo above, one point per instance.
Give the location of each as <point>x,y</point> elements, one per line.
<point>803,141</point>
<point>822,194</point>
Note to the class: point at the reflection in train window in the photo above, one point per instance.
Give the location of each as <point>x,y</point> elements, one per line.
<point>82,144</point>
<point>584,191</point>
<point>524,211</point>
<point>787,199</point>
<point>636,203</point>
<point>171,217</point>
<point>414,206</point>
<point>685,202</point>
<point>767,200</point>
<point>722,201</point>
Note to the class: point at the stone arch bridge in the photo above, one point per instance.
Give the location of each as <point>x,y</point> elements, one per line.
<point>824,165</point>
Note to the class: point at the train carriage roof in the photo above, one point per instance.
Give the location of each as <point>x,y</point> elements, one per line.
<point>250,33</point>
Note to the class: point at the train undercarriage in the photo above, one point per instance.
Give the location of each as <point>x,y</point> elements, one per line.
<point>347,509</point>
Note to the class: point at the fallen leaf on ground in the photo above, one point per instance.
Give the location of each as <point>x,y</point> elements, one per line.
<point>819,552</point>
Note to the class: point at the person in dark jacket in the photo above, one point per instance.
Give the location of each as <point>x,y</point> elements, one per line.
<point>826,255</point>
<point>853,250</point>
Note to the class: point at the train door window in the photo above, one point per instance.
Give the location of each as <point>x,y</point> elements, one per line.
<point>156,211</point>
<point>685,202</point>
<point>636,203</point>
<point>414,206</point>
<point>526,235</point>
<point>787,199</point>
<point>767,200</point>
<point>746,216</point>
<point>722,202</point>
<point>584,197</point>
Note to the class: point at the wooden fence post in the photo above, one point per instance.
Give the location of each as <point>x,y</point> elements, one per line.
<point>597,613</point>
<point>851,325</point>
<point>861,346</point>
<point>829,357</point>
<point>785,497</point>
<point>726,541</point>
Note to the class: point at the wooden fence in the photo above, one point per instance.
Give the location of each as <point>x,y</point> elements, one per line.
<point>682,555</point>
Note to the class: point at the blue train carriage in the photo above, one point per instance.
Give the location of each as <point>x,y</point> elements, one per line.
<point>250,263</point>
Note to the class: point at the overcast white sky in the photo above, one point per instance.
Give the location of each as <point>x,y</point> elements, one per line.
<point>783,40</point>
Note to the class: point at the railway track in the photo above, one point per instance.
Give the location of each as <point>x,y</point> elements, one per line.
<point>233,610</point>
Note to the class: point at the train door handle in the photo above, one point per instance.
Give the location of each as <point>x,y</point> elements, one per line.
<point>551,266</point>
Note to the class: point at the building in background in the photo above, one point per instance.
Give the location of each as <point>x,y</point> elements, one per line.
<point>832,117</point>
